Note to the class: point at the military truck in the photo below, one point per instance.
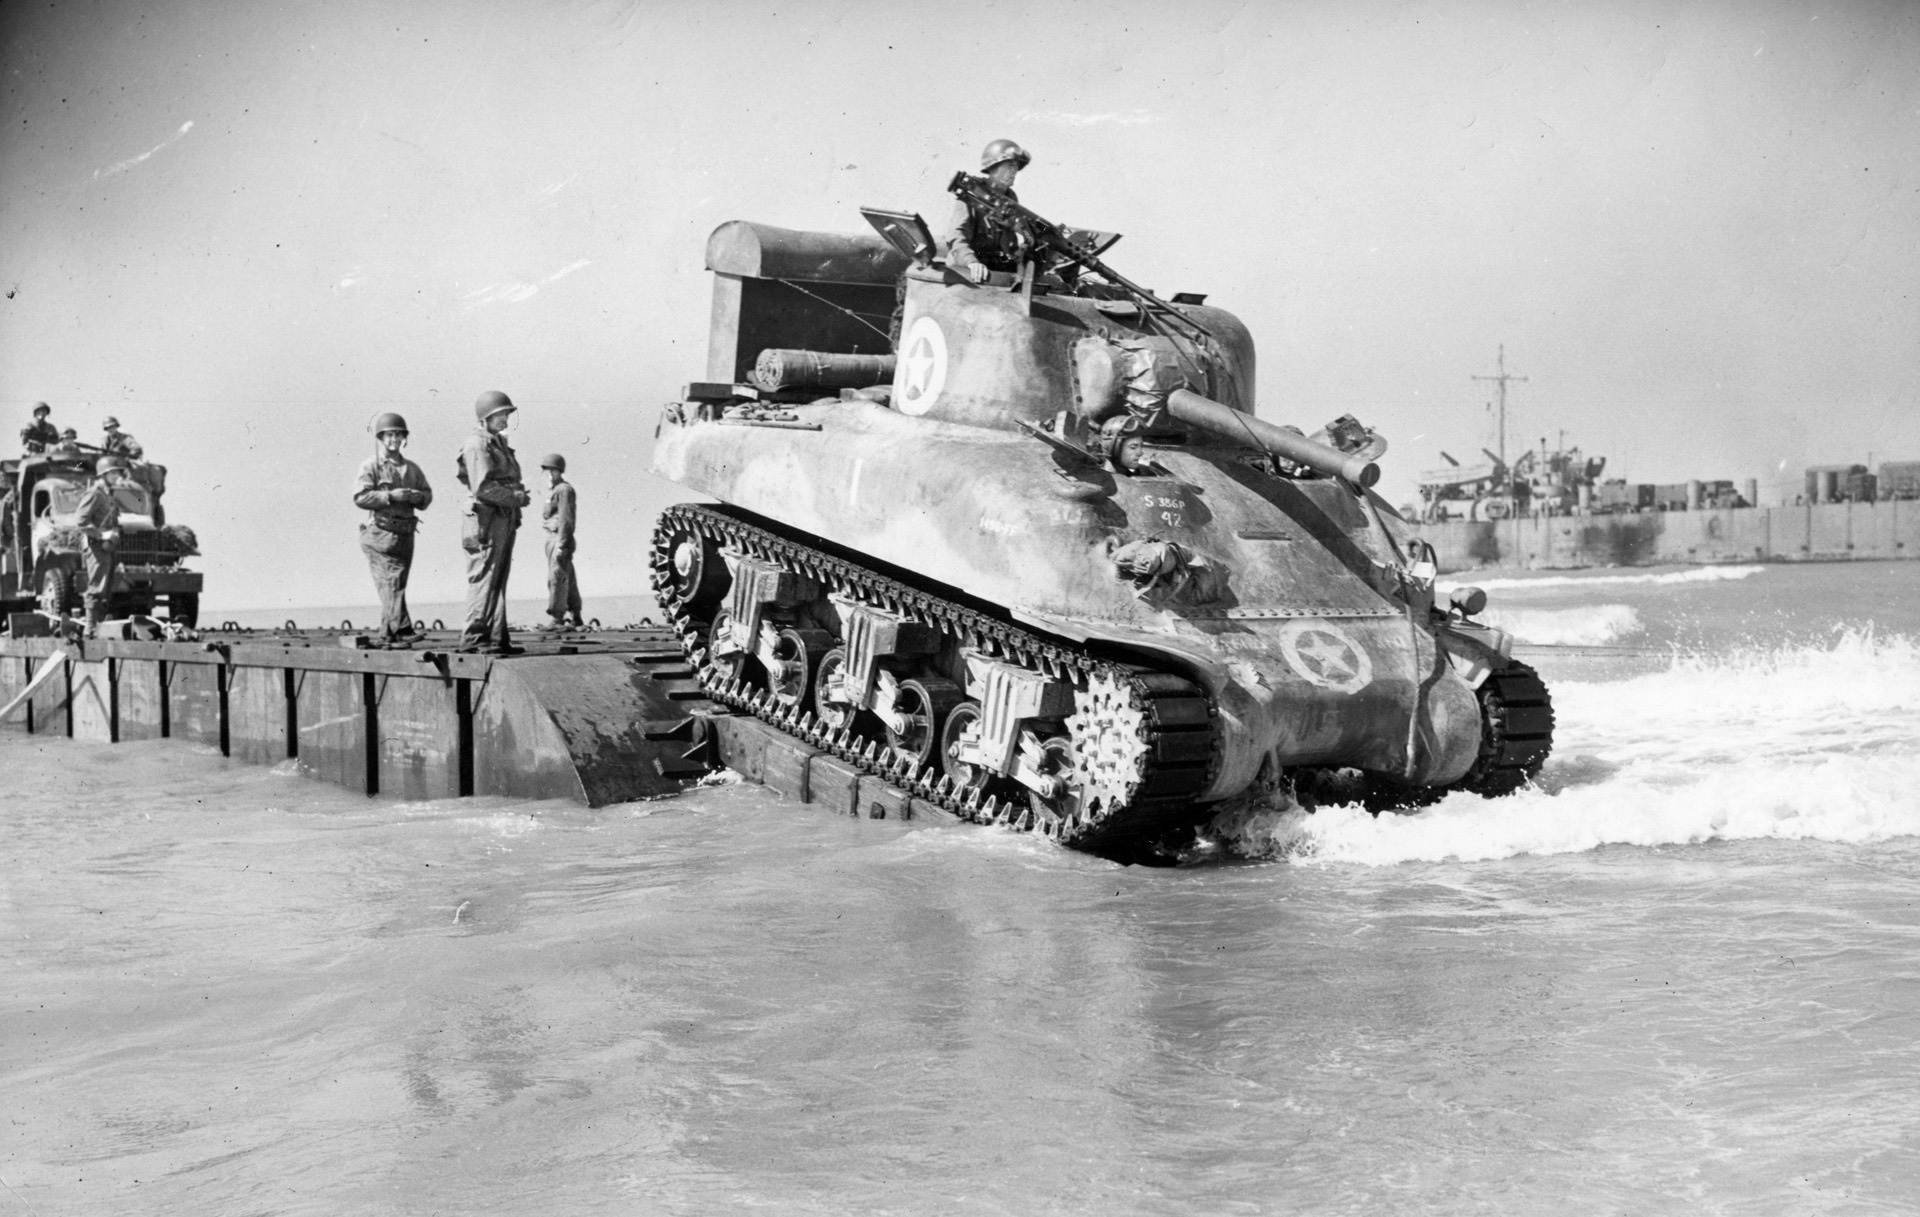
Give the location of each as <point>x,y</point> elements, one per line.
<point>41,556</point>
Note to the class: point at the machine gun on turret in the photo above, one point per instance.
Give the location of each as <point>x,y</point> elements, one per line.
<point>1063,246</point>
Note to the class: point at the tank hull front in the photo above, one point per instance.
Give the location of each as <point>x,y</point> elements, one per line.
<point>1306,660</point>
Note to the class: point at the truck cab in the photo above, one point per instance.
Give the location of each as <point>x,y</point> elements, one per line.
<point>41,552</point>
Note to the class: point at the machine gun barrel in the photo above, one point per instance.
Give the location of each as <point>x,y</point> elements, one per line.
<point>1230,424</point>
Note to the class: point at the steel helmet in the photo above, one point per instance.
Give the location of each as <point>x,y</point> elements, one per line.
<point>389,422</point>
<point>111,464</point>
<point>1003,150</point>
<point>553,460</point>
<point>41,407</point>
<point>491,403</point>
<point>110,423</point>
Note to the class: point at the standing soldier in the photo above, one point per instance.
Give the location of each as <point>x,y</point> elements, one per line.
<point>563,590</point>
<point>118,442</point>
<point>98,519</point>
<point>491,474</point>
<point>977,245</point>
<point>391,489</point>
<point>42,435</point>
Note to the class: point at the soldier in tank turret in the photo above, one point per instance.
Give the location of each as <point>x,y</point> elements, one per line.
<point>41,435</point>
<point>976,243</point>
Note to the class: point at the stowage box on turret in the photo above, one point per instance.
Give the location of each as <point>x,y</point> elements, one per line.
<point>1023,547</point>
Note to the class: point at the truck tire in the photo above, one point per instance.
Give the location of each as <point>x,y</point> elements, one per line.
<point>56,591</point>
<point>183,608</point>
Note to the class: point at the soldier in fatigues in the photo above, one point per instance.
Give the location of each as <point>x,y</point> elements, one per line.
<point>976,246</point>
<point>42,435</point>
<point>118,442</point>
<point>563,590</point>
<point>391,489</point>
<point>491,474</point>
<point>98,519</point>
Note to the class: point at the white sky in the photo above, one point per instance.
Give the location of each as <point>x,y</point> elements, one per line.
<point>247,228</point>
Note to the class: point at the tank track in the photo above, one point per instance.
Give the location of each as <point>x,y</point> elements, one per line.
<point>1516,717</point>
<point>1167,758</point>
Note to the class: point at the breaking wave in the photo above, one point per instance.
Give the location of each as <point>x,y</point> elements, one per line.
<point>1594,625</point>
<point>1697,574</point>
<point>1800,743</point>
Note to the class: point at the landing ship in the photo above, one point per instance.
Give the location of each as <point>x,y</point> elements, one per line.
<point>1024,549</point>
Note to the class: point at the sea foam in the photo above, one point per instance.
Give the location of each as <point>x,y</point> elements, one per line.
<point>1697,574</point>
<point>1588,625</point>
<point>1818,743</point>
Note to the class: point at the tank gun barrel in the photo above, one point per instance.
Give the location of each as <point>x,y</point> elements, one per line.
<point>1230,424</point>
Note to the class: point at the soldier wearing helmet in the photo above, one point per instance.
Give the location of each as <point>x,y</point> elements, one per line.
<point>563,589</point>
<point>98,519</point>
<point>42,435</point>
<point>391,489</point>
<point>118,442</point>
<point>491,473</point>
<point>975,244</point>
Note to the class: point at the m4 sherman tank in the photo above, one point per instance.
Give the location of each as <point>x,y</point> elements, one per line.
<point>1023,548</point>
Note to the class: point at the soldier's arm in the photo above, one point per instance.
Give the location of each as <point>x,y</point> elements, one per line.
<point>91,515</point>
<point>480,467</point>
<point>960,235</point>
<point>566,518</point>
<point>417,477</point>
<point>367,493</point>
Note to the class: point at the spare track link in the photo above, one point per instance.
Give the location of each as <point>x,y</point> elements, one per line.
<point>1179,757</point>
<point>1517,715</point>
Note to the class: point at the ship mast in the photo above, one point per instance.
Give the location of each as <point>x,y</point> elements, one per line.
<point>1502,380</point>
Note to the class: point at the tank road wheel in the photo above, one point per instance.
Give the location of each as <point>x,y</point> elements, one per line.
<point>922,705</point>
<point>833,714</point>
<point>797,654</point>
<point>696,575</point>
<point>1057,761</point>
<point>728,661</point>
<point>965,776</point>
<point>56,591</point>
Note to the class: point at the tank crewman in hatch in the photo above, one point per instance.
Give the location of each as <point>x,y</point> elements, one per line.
<point>563,589</point>
<point>491,474</point>
<point>98,519</point>
<point>976,245</point>
<point>42,435</point>
<point>391,489</point>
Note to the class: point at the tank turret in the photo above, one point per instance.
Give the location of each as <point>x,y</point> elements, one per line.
<point>1048,568</point>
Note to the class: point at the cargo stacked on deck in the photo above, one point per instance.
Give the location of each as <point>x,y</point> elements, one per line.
<point>1670,496</point>
<point>1839,484</point>
<point>1899,480</point>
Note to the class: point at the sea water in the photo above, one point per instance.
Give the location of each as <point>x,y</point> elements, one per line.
<point>1682,975</point>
